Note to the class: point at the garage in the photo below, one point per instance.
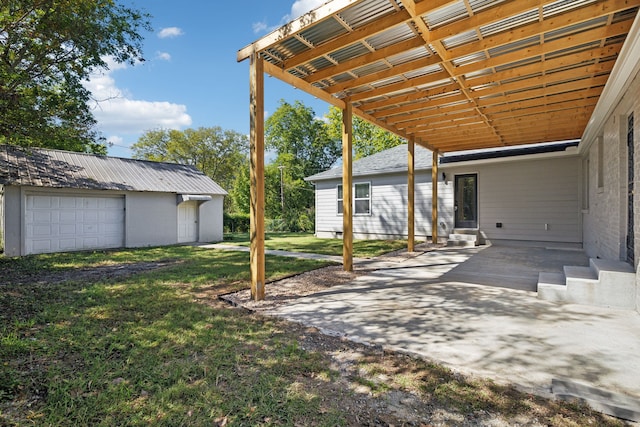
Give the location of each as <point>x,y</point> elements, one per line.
<point>69,223</point>
<point>60,201</point>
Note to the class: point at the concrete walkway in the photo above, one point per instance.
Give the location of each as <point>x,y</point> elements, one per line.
<point>475,310</point>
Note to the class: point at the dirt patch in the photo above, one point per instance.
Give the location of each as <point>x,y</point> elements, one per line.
<point>92,274</point>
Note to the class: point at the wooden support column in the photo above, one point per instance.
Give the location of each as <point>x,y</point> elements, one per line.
<point>411,224</point>
<point>434,197</point>
<point>256,151</point>
<point>347,186</point>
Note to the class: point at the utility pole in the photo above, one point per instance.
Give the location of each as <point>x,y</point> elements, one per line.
<point>281,167</point>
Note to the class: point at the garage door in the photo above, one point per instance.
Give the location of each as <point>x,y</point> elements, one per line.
<point>71,223</point>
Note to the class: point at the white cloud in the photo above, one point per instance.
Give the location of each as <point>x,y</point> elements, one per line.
<point>298,8</point>
<point>164,56</point>
<point>170,32</point>
<point>118,113</point>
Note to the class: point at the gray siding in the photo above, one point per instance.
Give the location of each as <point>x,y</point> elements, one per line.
<point>388,217</point>
<point>537,199</point>
<point>533,199</point>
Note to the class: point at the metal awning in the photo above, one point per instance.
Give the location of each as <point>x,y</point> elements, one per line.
<point>456,75</point>
<point>195,197</point>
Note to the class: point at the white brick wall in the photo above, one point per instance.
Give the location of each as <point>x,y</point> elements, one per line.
<point>605,221</point>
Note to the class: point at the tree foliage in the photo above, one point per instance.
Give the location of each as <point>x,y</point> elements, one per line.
<point>47,49</point>
<point>219,154</point>
<point>368,138</point>
<point>303,147</point>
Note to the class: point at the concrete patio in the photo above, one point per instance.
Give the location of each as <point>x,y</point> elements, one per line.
<point>476,311</point>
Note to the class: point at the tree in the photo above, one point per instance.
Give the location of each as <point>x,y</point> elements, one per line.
<point>219,154</point>
<point>303,147</point>
<point>47,49</point>
<point>367,137</point>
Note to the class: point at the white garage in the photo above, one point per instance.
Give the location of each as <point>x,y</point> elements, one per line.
<point>55,201</point>
<point>71,223</point>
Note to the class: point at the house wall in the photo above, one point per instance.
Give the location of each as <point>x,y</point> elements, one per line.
<point>534,200</point>
<point>12,221</point>
<point>210,222</point>
<point>605,219</point>
<point>151,219</point>
<point>1,218</point>
<point>388,217</point>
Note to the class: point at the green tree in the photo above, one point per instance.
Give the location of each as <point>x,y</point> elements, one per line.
<point>303,147</point>
<point>219,154</point>
<point>47,49</point>
<point>367,137</point>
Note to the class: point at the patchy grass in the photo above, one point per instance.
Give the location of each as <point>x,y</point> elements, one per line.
<point>147,348</point>
<point>304,242</point>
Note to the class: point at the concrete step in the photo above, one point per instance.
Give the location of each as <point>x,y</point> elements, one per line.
<point>604,283</point>
<point>470,231</point>
<point>461,243</point>
<point>468,237</point>
<point>552,287</point>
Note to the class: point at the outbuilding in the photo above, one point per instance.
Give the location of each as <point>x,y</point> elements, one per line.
<point>55,201</point>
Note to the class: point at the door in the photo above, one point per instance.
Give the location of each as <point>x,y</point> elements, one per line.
<point>188,222</point>
<point>630,178</point>
<point>71,223</point>
<point>466,201</point>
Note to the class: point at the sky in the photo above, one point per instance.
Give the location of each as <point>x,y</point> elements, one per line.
<point>190,77</point>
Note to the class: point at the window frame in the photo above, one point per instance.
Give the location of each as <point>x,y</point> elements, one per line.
<point>339,199</point>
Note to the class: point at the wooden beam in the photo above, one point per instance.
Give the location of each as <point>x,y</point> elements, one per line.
<point>411,225</point>
<point>256,172</point>
<point>313,17</point>
<point>434,197</point>
<point>347,185</point>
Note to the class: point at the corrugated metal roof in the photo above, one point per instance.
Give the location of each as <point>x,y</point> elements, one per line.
<point>38,167</point>
<point>491,53</point>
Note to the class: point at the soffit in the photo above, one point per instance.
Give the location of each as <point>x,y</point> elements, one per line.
<point>456,75</point>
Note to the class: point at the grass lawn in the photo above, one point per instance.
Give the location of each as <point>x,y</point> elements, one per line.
<point>306,242</point>
<point>156,348</point>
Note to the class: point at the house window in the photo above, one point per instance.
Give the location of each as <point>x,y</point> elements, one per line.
<point>585,184</point>
<point>600,163</point>
<point>362,199</point>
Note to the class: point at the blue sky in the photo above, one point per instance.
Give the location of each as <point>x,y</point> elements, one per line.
<point>190,78</point>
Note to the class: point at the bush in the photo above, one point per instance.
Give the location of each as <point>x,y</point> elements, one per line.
<point>235,223</point>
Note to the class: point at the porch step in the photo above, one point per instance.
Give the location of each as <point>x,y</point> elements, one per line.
<point>604,283</point>
<point>464,237</point>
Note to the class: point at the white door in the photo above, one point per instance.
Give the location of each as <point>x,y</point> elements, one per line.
<point>188,222</point>
<point>71,223</point>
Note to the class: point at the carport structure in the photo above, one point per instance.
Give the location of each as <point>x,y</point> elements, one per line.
<point>449,75</point>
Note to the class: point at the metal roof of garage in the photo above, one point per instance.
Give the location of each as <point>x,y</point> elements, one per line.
<point>456,75</point>
<point>39,167</point>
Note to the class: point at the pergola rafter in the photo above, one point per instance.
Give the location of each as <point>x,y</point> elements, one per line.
<point>455,74</point>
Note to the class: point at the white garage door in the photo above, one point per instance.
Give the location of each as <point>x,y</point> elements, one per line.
<point>70,223</point>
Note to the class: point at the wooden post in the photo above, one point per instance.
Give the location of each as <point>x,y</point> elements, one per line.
<point>434,197</point>
<point>347,185</point>
<point>411,226</point>
<point>256,172</point>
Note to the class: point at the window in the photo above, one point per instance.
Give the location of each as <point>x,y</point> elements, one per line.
<point>600,163</point>
<point>362,199</point>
